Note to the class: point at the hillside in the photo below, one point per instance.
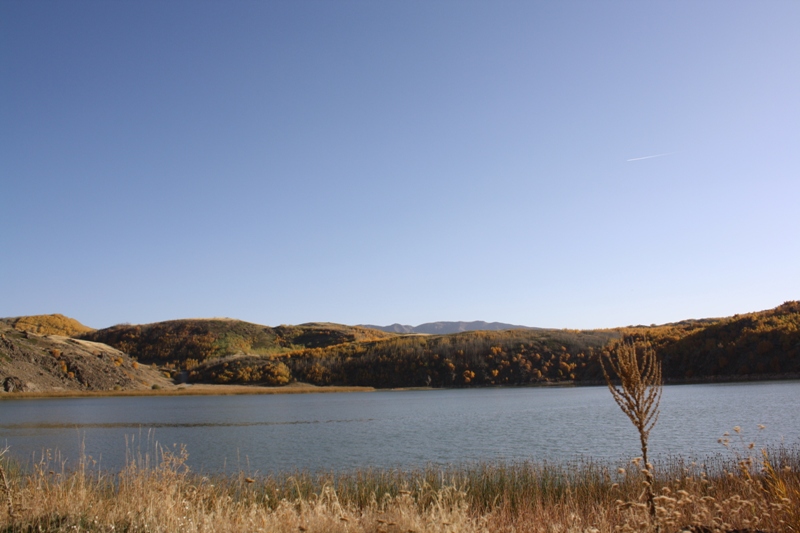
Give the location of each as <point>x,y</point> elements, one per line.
<point>760,345</point>
<point>476,358</point>
<point>185,344</point>
<point>31,362</point>
<point>742,346</point>
<point>47,325</point>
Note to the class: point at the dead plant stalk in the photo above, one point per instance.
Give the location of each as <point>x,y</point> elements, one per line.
<point>638,395</point>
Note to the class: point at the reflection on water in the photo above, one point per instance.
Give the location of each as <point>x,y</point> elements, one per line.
<point>398,428</point>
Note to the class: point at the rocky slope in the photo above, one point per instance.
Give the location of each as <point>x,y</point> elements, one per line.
<point>40,363</point>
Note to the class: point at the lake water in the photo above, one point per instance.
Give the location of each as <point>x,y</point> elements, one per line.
<point>405,429</point>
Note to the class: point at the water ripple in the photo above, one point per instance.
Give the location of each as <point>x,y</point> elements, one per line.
<point>136,425</point>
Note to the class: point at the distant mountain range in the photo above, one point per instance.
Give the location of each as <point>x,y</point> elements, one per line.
<point>444,328</point>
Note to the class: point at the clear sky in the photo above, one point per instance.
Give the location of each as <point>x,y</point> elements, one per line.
<point>401,161</point>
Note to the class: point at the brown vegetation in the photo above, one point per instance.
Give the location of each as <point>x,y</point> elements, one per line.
<point>759,345</point>
<point>48,325</point>
<point>477,358</point>
<point>762,345</point>
<point>751,491</point>
<point>738,347</point>
<point>264,370</point>
<point>747,492</point>
<point>638,395</point>
<point>184,344</point>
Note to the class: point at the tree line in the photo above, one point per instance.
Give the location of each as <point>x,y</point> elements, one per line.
<point>747,346</point>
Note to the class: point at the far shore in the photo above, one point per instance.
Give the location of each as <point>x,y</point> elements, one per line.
<point>209,389</point>
<point>199,389</point>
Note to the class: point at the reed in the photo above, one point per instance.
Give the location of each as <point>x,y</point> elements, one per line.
<point>158,493</point>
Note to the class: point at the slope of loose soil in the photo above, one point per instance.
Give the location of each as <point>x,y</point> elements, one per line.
<point>31,362</point>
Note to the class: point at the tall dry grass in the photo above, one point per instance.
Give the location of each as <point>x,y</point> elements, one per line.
<point>158,493</point>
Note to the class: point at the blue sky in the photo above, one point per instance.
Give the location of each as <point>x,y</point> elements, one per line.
<point>380,162</point>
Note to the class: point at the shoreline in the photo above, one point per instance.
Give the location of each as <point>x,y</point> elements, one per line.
<point>210,389</point>
<point>199,389</point>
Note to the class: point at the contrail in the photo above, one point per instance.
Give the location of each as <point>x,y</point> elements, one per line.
<point>651,156</point>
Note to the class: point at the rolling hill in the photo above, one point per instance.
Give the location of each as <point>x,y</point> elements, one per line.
<point>753,346</point>
<point>41,363</point>
<point>184,344</point>
<point>47,325</point>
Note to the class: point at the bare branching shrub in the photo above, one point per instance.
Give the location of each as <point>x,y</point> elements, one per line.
<point>638,394</point>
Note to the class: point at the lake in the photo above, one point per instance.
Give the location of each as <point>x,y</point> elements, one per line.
<point>397,429</point>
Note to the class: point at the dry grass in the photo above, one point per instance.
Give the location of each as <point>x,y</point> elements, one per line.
<point>155,494</point>
<point>747,490</point>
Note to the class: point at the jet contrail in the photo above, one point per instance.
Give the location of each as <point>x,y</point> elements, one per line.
<point>651,156</point>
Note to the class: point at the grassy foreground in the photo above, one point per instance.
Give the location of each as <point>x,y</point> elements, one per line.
<point>746,491</point>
